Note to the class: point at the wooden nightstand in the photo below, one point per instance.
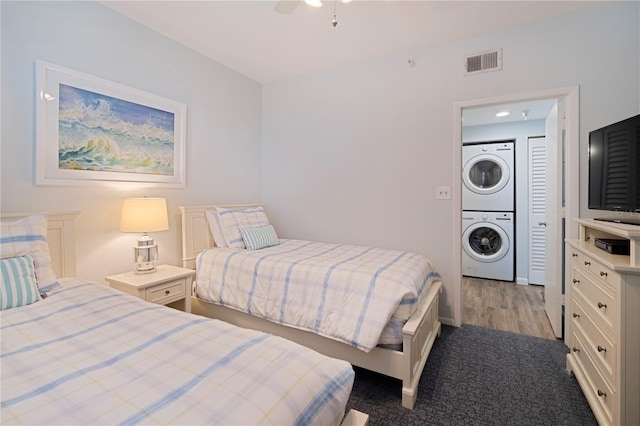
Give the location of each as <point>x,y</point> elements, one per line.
<point>167,285</point>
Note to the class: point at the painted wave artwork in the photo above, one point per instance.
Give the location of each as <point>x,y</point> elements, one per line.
<point>102,133</point>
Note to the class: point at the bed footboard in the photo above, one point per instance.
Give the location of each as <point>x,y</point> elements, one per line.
<point>355,418</point>
<point>419,333</point>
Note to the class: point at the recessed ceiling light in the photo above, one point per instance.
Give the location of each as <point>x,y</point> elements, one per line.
<point>502,114</point>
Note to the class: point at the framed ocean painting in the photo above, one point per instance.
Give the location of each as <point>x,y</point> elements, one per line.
<point>93,131</point>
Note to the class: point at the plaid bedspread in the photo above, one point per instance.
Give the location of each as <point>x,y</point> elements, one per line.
<point>88,354</point>
<point>347,293</point>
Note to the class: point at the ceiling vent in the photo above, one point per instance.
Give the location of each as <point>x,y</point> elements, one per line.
<point>483,62</point>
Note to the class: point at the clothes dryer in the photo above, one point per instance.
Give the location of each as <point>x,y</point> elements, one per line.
<point>488,176</point>
<point>488,245</point>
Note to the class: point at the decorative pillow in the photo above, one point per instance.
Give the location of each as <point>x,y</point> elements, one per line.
<point>29,236</point>
<point>259,237</point>
<point>18,282</point>
<point>216,228</point>
<point>232,220</point>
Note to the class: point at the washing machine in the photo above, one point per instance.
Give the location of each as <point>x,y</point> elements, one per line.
<point>488,176</point>
<point>488,249</point>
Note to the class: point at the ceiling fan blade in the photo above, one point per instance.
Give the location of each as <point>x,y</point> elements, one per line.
<point>286,7</point>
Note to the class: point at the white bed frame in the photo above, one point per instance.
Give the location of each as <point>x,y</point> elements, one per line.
<point>419,332</point>
<point>61,236</point>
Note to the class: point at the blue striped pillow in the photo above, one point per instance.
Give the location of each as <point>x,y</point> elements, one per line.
<point>18,286</point>
<point>258,237</point>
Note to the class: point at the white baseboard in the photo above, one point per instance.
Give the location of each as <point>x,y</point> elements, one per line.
<point>522,281</point>
<point>447,321</point>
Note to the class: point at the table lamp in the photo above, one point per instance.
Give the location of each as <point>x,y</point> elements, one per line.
<point>144,215</point>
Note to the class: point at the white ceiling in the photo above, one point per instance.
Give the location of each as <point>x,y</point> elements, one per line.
<point>253,39</point>
<point>534,110</point>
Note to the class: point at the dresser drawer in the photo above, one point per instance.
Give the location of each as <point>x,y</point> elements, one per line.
<point>595,388</point>
<point>601,271</point>
<point>599,300</point>
<point>602,349</point>
<point>167,292</point>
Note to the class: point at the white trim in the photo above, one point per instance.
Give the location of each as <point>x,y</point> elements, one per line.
<point>572,178</point>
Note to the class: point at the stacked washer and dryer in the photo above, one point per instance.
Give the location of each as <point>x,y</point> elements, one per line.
<point>488,200</point>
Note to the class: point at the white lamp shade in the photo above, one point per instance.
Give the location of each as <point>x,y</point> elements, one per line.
<point>144,215</point>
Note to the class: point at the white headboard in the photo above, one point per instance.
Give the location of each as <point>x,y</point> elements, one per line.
<point>196,235</point>
<point>61,236</point>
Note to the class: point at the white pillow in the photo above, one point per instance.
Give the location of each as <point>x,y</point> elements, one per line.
<point>216,228</point>
<point>29,236</point>
<point>17,282</point>
<point>232,220</point>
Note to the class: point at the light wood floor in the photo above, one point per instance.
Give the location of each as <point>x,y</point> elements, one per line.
<point>506,306</point>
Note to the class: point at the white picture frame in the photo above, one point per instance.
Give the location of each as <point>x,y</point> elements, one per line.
<point>91,131</point>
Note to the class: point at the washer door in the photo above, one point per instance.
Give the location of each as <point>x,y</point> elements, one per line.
<point>485,174</point>
<point>485,242</point>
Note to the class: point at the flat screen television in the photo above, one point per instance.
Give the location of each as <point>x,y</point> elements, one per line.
<point>614,170</point>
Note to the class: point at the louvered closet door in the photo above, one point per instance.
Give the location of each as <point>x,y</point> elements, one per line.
<point>537,180</point>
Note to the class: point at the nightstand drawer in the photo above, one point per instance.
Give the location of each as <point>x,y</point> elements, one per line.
<point>167,285</point>
<point>166,293</point>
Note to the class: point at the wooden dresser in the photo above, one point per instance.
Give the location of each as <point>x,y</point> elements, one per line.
<point>605,328</point>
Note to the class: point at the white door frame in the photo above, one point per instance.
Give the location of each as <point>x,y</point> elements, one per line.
<point>572,179</point>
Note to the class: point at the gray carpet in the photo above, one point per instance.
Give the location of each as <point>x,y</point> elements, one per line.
<point>479,376</point>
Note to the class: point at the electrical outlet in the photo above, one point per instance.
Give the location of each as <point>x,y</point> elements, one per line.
<point>443,192</point>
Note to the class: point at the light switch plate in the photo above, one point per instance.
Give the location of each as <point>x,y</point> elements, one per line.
<point>443,192</point>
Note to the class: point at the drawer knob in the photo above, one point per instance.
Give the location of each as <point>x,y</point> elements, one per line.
<point>576,349</point>
<point>601,349</point>
<point>603,274</point>
<point>576,281</point>
<point>576,315</point>
<point>601,305</point>
<point>574,254</point>
<point>600,393</point>
<point>167,292</point>
<point>587,263</point>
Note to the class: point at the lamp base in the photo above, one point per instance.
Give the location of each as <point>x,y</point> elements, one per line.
<point>145,256</point>
<point>145,268</point>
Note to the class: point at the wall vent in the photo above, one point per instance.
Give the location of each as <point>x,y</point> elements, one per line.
<point>483,62</point>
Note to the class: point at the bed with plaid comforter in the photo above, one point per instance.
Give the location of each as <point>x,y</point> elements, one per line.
<point>88,354</point>
<point>360,296</point>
